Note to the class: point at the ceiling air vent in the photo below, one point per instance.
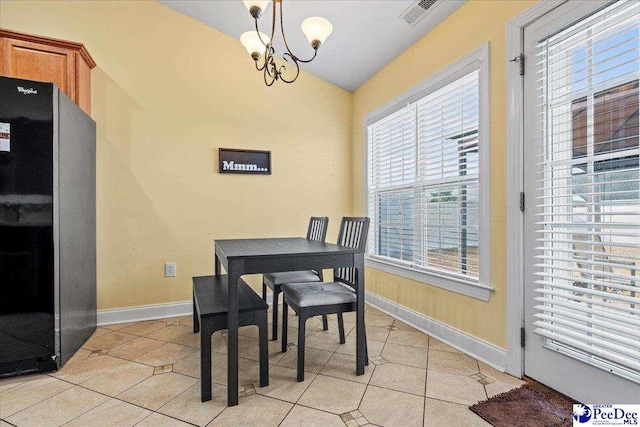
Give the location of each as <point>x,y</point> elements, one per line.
<point>417,11</point>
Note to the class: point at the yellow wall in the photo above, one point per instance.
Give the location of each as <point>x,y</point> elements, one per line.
<point>167,93</point>
<point>469,27</point>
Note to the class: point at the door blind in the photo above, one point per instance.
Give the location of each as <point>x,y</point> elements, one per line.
<point>423,182</point>
<point>587,201</point>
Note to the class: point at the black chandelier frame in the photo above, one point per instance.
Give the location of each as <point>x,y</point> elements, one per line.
<point>272,71</point>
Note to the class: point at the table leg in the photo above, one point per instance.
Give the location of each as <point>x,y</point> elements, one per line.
<point>217,265</point>
<point>196,320</point>
<point>234,271</point>
<point>360,332</point>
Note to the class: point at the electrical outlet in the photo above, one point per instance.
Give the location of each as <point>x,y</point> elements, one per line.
<point>169,269</point>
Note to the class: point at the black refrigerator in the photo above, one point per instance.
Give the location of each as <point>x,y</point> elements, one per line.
<point>47,227</point>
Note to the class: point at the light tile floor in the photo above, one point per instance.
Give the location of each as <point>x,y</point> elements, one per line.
<point>147,374</point>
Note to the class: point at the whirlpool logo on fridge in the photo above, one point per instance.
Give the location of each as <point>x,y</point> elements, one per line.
<point>27,91</point>
<point>605,415</point>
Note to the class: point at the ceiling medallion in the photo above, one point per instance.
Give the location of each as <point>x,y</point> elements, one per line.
<point>259,45</point>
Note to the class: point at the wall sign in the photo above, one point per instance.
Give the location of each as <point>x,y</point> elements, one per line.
<point>245,161</point>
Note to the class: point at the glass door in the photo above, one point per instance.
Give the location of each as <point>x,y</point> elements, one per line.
<point>582,222</point>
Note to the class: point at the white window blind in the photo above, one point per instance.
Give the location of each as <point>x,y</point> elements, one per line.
<point>448,178</point>
<point>392,176</point>
<point>588,202</point>
<point>424,182</point>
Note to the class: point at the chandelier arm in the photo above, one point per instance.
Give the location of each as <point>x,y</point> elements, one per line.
<point>266,45</point>
<point>269,64</point>
<point>273,29</point>
<point>269,83</point>
<point>295,62</point>
<point>293,56</point>
<point>268,54</point>
<point>273,24</point>
<point>265,74</point>
<point>271,70</point>
<point>286,45</point>
<point>264,62</point>
<point>315,52</point>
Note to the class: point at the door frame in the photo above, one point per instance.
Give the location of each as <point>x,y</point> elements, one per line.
<point>515,181</point>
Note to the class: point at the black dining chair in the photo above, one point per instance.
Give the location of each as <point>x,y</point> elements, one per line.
<point>337,297</point>
<point>317,231</point>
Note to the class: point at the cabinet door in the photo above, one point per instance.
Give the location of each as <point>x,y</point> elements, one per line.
<point>33,61</point>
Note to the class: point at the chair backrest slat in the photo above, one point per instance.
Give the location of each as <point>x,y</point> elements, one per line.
<point>353,234</point>
<point>317,228</point>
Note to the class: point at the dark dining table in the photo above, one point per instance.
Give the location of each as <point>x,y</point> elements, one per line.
<point>256,256</point>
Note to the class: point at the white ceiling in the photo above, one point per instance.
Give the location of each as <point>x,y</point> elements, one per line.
<point>367,34</point>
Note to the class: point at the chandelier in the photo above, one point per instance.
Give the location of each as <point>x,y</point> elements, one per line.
<point>259,45</point>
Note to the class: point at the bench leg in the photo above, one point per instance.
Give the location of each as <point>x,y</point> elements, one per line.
<point>196,320</point>
<point>301,324</point>
<point>264,348</point>
<point>285,324</point>
<point>325,323</point>
<point>264,291</point>
<point>341,328</point>
<point>276,295</point>
<point>205,361</point>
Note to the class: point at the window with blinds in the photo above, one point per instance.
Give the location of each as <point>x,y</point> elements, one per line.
<point>424,178</point>
<point>588,200</point>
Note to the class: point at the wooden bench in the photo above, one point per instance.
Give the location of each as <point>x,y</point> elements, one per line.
<point>210,315</point>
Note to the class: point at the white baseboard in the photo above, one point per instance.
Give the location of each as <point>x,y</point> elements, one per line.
<point>150,312</point>
<point>468,344</point>
<point>475,347</point>
<point>144,312</point>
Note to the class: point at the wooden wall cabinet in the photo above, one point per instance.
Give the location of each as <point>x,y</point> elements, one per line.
<point>67,64</point>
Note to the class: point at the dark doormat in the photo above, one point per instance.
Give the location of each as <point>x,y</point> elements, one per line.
<point>532,405</point>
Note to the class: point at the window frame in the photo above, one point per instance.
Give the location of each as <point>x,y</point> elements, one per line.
<point>477,60</point>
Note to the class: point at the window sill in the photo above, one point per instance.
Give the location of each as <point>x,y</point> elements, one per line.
<point>470,289</point>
